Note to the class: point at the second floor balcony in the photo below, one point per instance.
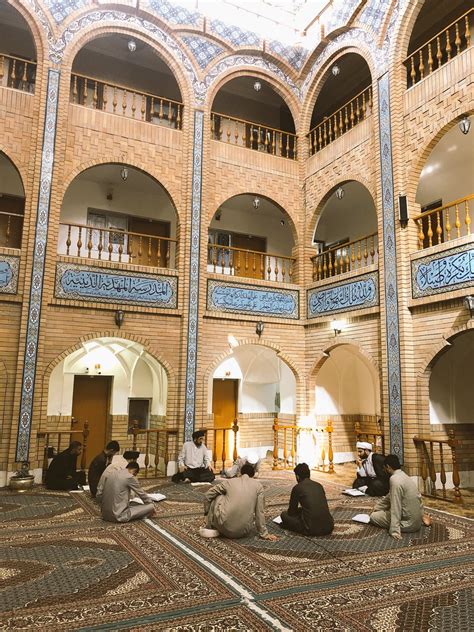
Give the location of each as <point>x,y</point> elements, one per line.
<point>444,223</point>
<point>17,51</point>
<point>348,257</point>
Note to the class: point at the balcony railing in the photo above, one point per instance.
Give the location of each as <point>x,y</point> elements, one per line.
<point>17,73</point>
<point>353,255</point>
<point>11,227</point>
<point>122,100</point>
<point>250,263</point>
<point>445,223</point>
<point>253,136</point>
<point>439,49</point>
<point>341,121</point>
<point>106,244</point>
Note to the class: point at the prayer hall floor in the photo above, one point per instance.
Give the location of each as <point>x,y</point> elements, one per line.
<point>63,568</point>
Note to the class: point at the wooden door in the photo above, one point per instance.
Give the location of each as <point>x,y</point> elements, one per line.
<point>148,251</point>
<point>90,402</point>
<point>224,408</point>
<point>249,264</point>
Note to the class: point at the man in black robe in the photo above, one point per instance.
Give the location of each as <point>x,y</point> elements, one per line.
<point>61,473</point>
<point>99,463</point>
<point>371,472</point>
<point>308,512</point>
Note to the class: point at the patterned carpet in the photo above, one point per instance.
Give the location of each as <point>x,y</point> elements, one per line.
<point>62,568</point>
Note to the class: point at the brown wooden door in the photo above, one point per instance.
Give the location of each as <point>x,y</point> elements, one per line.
<point>90,402</point>
<point>150,250</point>
<point>249,264</point>
<point>224,408</point>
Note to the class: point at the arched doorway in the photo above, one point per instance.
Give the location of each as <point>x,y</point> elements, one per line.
<point>112,383</point>
<point>12,204</point>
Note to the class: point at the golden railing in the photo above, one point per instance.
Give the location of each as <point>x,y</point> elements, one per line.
<point>11,225</point>
<point>284,438</point>
<point>17,73</point>
<point>160,443</point>
<point>347,257</point>
<point>445,223</point>
<point>58,444</point>
<point>250,263</point>
<point>220,443</point>
<point>112,244</point>
<point>433,461</point>
<point>117,99</point>
<point>325,446</point>
<point>445,45</point>
<point>375,437</point>
<point>255,136</point>
<point>341,121</point>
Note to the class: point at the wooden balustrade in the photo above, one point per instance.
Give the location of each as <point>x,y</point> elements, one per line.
<point>375,437</point>
<point>11,228</point>
<point>440,49</point>
<point>284,440</point>
<point>353,255</point>
<point>324,444</point>
<point>250,263</point>
<point>445,223</point>
<point>160,444</point>
<point>123,100</point>
<point>433,464</point>
<point>254,136</point>
<point>112,244</point>
<point>340,121</point>
<point>61,441</point>
<point>17,73</point>
<point>220,443</point>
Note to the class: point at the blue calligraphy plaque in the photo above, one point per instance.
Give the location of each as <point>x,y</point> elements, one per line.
<point>110,286</point>
<point>359,293</point>
<point>9,274</point>
<point>443,272</point>
<point>239,298</point>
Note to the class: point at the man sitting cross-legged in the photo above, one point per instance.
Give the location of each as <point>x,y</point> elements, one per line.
<point>402,510</point>
<point>194,464</point>
<point>114,496</point>
<point>233,506</point>
<point>370,472</point>
<point>308,512</point>
<point>99,463</point>
<point>61,473</point>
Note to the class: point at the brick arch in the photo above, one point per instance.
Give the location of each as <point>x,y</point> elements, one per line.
<point>320,71</point>
<point>37,30</point>
<point>402,33</point>
<point>245,70</point>
<point>351,177</point>
<point>14,163</point>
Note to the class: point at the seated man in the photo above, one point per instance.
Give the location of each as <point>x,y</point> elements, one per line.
<point>308,512</point>
<point>98,465</point>
<point>194,464</point>
<point>115,494</point>
<point>402,510</point>
<point>370,473</point>
<point>129,456</point>
<point>233,506</point>
<point>61,473</point>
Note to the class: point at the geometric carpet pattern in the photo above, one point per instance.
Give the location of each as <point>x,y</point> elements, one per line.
<point>63,568</point>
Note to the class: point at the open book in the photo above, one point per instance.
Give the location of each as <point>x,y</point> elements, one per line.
<point>278,520</point>
<point>364,518</point>
<point>155,497</point>
<point>353,492</point>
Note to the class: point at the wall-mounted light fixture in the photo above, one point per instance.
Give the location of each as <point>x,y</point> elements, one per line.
<point>259,327</point>
<point>257,86</point>
<point>337,326</point>
<point>335,70</point>
<point>256,203</point>
<point>119,317</point>
<point>465,124</point>
<point>469,304</point>
<point>340,193</point>
<point>132,45</point>
<point>124,173</point>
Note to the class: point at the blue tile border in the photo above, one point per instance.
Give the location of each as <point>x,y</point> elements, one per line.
<point>444,271</point>
<point>255,300</point>
<point>37,273</point>
<point>390,272</point>
<point>356,293</point>
<point>196,197</point>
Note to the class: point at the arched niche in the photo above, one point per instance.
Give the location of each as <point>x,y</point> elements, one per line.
<point>12,204</point>
<point>117,207</point>
<point>18,50</point>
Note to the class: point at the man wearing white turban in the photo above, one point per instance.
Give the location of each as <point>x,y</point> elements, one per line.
<point>370,471</point>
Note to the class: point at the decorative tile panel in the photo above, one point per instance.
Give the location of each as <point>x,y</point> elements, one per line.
<point>450,270</point>
<point>87,283</point>
<point>242,298</point>
<point>295,56</point>
<point>202,49</point>
<point>9,267</point>
<point>234,35</point>
<point>60,9</point>
<point>37,274</point>
<point>342,10</point>
<point>359,293</point>
<point>390,272</point>
<point>173,13</point>
<point>196,201</point>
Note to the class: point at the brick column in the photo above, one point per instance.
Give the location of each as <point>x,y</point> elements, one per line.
<point>194,254</point>
<point>37,273</point>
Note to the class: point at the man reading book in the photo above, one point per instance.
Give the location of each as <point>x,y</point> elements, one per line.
<point>370,471</point>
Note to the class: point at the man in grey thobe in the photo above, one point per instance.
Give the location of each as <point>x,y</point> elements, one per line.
<point>233,506</point>
<point>401,510</point>
<point>114,496</point>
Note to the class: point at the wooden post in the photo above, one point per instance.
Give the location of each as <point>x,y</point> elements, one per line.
<point>147,455</point>
<point>214,449</point>
<point>330,450</point>
<point>224,451</point>
<point>235,429</point>
<point>275,444</point>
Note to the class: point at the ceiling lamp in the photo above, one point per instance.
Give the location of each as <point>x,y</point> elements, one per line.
<point>132,45</point>
<point>340,193</point>
<point>465,124</point>
<point>124,173</point>
<point>257,86</point>
<point>256,203</point>
<point>335,70</point>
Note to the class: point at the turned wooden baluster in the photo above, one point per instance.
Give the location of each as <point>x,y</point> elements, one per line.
<point>79,242</point>
<point>105,97</point>
<point>329,430</point>
<point>157,454</point>
<point>430,59</point>
<point>467,218</point>
<point>448,45</point>
<point>457,40</point>
<point>115,101</point>
<point>421,234</point>
<point>68,240</point>
<point>439,54</point>
<point>457,221</point>
<point>214,448</point>
<point>447,225</point>
<point>224,447</point>
<point>432,469</point>
<point>467,32</point>
<point>100,247</point>
<point>95,96</point>
<point>143,108</point>
<point>439,230</point>
<point>84,91</point>
<point>170,111</point>
<point>275,444</point>
<point>124,102</point>
<point>430,232</point>
<point>442,473</point>
<point>456,478</point>
<point>160,111</point>
<point>89,244</point>
<point>421,65</point>
<point>178,116</point>
<point>74,87</point>
<point>147,453</point>
<point>235,430</point>
<point>2,67</point>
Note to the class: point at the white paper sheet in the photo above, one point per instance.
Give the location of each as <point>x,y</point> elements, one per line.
<point>364,518</point>
<point>353,492</point>
<point>278,520</point>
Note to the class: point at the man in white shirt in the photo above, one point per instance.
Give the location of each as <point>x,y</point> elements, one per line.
<point>194,464</point>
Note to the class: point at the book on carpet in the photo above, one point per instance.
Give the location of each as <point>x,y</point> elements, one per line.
<point>196,484</point>
<point>278,520</point>
<point>353,492</point>
<point>155,497</point>
<point>364,518</point>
